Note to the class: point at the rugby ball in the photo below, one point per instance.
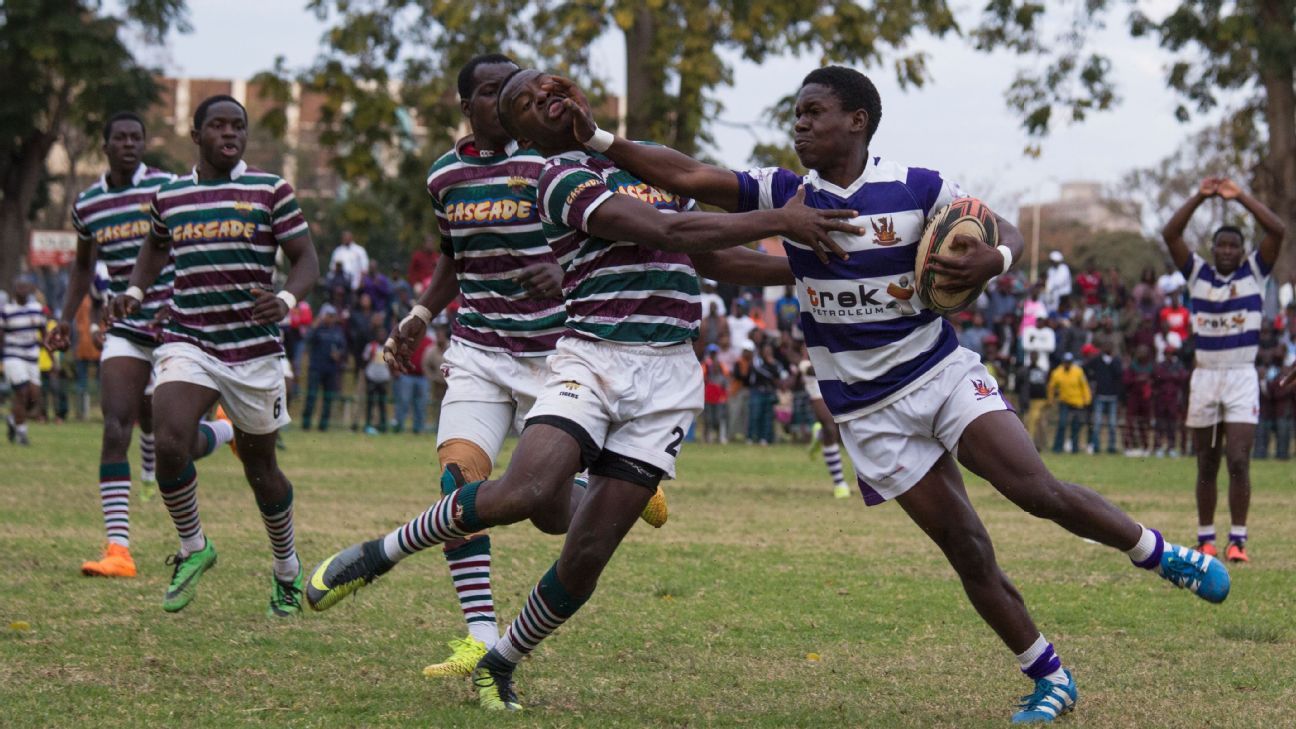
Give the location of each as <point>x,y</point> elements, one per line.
<point>965,216</point>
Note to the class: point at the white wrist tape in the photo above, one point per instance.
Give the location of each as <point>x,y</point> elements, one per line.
<point>136,293</point>
<point>601,140</point>
<point>422,312</point>
<point>288,299</point>
<point>1007,256</point>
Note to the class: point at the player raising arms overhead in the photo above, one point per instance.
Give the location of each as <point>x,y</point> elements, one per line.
<point>906,396</point>
<point>623,387</point>
<point>224,223</point>
<point>1227,296</point>
<point>111,218</point>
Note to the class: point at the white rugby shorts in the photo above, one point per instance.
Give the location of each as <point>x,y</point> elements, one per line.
<point>487,392</point>
<point>896,445</point>
<point>633,400</point>
<point>19,372</point>
<point>1223,396</point>
<point>252,393</point>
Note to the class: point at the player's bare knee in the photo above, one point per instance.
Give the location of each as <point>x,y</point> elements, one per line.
<point>116,433</point>
<point>971,554</point>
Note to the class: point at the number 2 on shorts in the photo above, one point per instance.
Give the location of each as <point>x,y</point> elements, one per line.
<point>673,447</point>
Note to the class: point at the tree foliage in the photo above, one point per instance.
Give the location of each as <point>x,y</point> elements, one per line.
<point>1224,50</point>
<point>65,66</point>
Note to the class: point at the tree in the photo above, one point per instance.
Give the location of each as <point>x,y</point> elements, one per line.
<point>1152,194</point>
<point>64,66</point>
<point>1244,47</point>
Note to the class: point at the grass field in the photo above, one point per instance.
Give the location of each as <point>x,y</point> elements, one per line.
<point>764,602</point>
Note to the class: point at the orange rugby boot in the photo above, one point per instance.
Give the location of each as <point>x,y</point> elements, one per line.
<point>1236,552</point>
<point>116,562</point>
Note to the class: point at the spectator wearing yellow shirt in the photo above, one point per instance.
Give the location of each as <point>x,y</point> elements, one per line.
<point>1069,387</point>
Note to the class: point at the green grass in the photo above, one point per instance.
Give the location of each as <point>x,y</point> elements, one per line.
<point>708,622</point>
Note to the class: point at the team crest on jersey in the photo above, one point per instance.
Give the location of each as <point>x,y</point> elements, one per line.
<point>145,207</point>
<point>518,184</point>
<point>982,390</point>
<point>243,206</point>
<point>884,232</point>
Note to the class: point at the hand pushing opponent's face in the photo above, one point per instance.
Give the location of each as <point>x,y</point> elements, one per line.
<point>222,136</point>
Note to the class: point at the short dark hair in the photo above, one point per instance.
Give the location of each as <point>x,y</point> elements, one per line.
<point>122,116</point>
<point>466,73</point>
<point>200,114</point>
<point>1227,229</point>
<point>499,104</point>
<point>853,89</point>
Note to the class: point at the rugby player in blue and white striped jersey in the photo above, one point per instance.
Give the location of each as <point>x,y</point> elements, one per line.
<point>908,399</point>
<point>1227,295</point>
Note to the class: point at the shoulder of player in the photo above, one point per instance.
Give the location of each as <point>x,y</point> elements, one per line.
<point>560,166</point>
<point>258,176</point>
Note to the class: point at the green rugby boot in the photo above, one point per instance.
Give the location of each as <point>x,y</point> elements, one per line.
<point>494,687</point>
<point>346,572</point>
<point>184,580</point>
<point>285,597</point>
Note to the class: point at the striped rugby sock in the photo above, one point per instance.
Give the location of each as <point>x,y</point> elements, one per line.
<point>1238,534</point>
<point>148,456</point>
<point>1205,533</point>
<point>181,498</point>
<point>470,570</point>
<point>549,606</point>
<point>454,516</point>
<point>832,459</point>
<point>216,433</point>
<point>114,499</point>
<point>1040,661</point>
<point>278,520</point>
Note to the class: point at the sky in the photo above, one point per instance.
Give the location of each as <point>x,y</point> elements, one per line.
<point>957,123</point>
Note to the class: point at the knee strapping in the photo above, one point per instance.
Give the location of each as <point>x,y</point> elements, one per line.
<point>468,456</point>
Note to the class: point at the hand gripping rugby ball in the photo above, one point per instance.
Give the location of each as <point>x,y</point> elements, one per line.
<point>966,216</point>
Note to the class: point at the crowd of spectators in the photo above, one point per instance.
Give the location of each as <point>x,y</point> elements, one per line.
<point>1090,363</point>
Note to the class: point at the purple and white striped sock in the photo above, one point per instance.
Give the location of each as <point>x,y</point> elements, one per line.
<point>832,459</point>
<point>1206,534</point>
<point>1238,534</point>
<point>148,458</point>
<point>1040,661</point>
<point>1147,552</point>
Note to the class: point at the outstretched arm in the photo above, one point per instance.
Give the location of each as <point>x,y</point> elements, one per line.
<point>1174,230</point>
<point>621,217</point>
<point>656,165</point>
<point>1274,227</point>
<point>744,267</point>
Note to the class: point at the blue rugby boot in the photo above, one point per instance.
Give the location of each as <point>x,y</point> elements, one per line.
<point>1201,574</point>
<point>1049,701</point>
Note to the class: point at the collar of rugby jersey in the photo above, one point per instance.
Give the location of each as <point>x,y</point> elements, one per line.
<point>141,169</point>
<point>235,173</point>
<point>813,178</point>
<point>460,146</point>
